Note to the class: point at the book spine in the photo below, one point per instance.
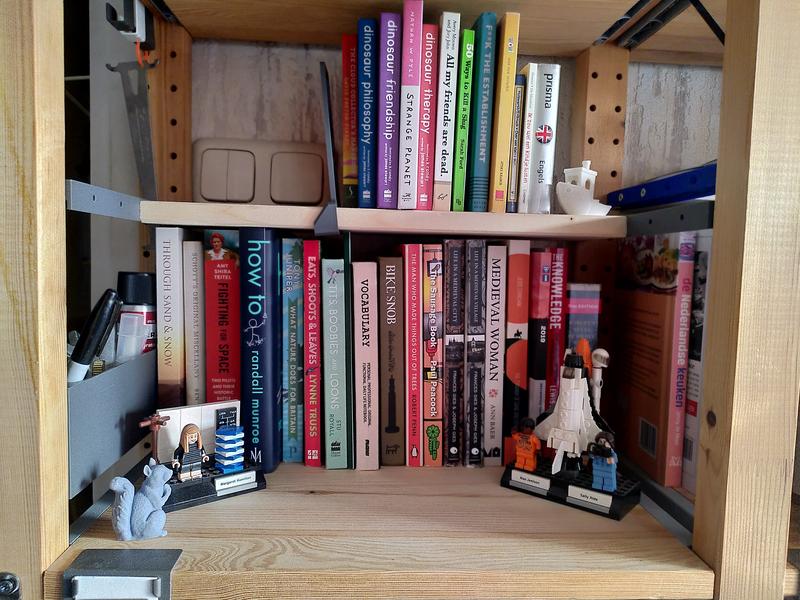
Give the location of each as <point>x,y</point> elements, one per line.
<point>681,319</point>
<point>194,301</point>
<point>516,136</point>
<point>556,330</point>
<point>526,170</point>
<point>333,363</point>
<point>169,317</point>
<point>480,143</point>
<point>515,384</point>
<point>583,313</point>
<point>367,54</point>
<point>260,346</point>
<point>475,324</point>
<point>292,344</point>
<point>508,34</point>
<point>388,101</point>
<point>427,117</point>
<point>544,145</point>
<point>312,381</point>
<point>392,376</point>
<point>409,104</point>
<point>446,110</point>
<point>349,363</point>
<point>454,349</point>
<point>495,354</point>
<point>541,265</point>
<point>433,357</point>
<point>365,318</point>
<point>462,119</point>
<point>412,264</point>
<point>350,120</point>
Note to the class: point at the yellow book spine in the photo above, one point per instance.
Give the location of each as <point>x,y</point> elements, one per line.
<point>507,43</point>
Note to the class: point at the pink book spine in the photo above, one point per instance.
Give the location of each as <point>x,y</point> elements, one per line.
<point>679,369</point>
<point>427,116</point>
<point>408,155</point>
<point>412,264</point>
<point>365,321</point>
<point>311,355</point>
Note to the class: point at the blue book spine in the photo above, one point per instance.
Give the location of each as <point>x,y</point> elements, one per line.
<point>367,82</point>
<point>479,148</point>
<point>260,348</point>
<point>292,344</point>
<point>388,141</point>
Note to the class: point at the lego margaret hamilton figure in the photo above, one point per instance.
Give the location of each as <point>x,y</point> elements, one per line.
<point>190,454</point>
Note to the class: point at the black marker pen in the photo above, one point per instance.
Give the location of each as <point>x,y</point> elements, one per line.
<point>94,334</point>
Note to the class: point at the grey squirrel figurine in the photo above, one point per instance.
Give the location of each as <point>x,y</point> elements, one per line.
<point>139,515</point>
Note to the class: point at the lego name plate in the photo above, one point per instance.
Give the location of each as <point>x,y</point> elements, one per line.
<point>591,499</point>
<point>238,482</point>
<point>529,481</point>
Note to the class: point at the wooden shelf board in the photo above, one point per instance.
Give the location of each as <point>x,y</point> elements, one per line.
<point>402,532</point>
<point>384,221</point>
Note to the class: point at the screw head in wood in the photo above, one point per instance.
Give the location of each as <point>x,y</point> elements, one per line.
<point>711,418</point>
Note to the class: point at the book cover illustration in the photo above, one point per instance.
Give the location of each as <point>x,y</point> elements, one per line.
<point>495,354</point>
<point>433,356</point>
<point>462,119</point>
<point>538,318</point>
<point>223,368</point>
<point>365,386</point>
<point>367,78</point>
<point>350,120</point>
<point>409,105</point>
<point>454,258</point>
<point>312,359</point>
<point>475,324</point>
<point>194,300</point>
<point>446,110</point>
<point>412,263</point>
<point>169,317</point>
<point>515,384</point>
<point>392,349</point>
<point>292,345</point>
<point>556,324</point>
<point>427,117</point>
<point>388,101</point>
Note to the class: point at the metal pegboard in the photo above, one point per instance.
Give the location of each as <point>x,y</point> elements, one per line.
<point>96,200</point>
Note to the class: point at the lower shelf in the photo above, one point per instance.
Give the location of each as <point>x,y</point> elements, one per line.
<point>402,532</point>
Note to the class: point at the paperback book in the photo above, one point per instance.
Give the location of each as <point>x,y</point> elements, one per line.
<point>463,118</point>
<point>454,258</point>
<point>495,354</point>
<point>412,264</point>
<point>538,318</point>
<point>515,384</point>
<point>446,110</point>
<point>169,317</point>
<point>312,359</point>
<point>350,120</point>
<point>427,117</point>
<point>194,312</point>
<point>392,348</point>
<point>433,357</point>
<point>388,102</point>
<point>475,323</point>
<point>516,136</point>
<point>365,318</point>
<point>410,104</point>
<point>556,324</point>
<point>367,78</point>
<point>292,344</point>
<point>545,119</point>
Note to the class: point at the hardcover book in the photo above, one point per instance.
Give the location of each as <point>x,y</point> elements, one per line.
<point>169,317</point>
<point>516,136</point>
<point>260,346</point>
<point>454,258</point>
<point>367,80</point>
<point>462,118</point>
<point>475,324</point>
<point>545,120</point>
<point>495,354</point>
<point>446,110</point>
<point>333,364</point>
<point>515,384</point>
<point>223,368</point>
<point>409,104</point>
<point>292,297</point>
<point>388,101</point>
<point>433,356</point>
<point>412,276</point>
<point>556,324</point>
<point>194,312</point>
<point>480,126</point>
<point>312,359</point>
<point>654,301</point>
<point>365,319</point>
<point>350,120</point>
<point>392,376</point>
<point>508,34</point>
<point>539,316</point>
<point>427,117</point>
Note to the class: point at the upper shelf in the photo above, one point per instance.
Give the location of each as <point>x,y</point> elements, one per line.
<point>547,27</point>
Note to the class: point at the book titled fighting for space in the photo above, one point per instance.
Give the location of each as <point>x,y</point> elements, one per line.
<point>495,353</point>
<point>409,104</point>
<point>292,344</point>
<point>446,110</point>
<point>260,346</point>
<point>223,368</point>
<point>367,81</point>
<point>388,101</point>
<point>312,358</point>
<point>427,116</point>
<point>454,349</point>
<point>392,376</point>
<point>475,323</point>
<point>365,353</point>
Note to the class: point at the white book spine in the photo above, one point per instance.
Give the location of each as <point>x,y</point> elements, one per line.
<point>365,320</point>
<point>526,145</point>
<point>545,118</point>
<point>446,110</point>
<point>495,354</point>
<point>409,105</point>
<point>169,316</point>
<point>194,302</point>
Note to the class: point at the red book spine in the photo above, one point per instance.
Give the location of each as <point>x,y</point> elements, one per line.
<point>427,116</point>
<point>223,365</point>
<point>556,330</point>
<point>350,118</point>
<point>412,263</point>
<point>312,358</point>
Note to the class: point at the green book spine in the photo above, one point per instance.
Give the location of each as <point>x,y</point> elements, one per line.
<point>334,355</point>
<point>292,296</point>
<point>349,345</point>
<point>462,118</point>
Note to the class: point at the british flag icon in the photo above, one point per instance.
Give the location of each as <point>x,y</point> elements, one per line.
<point>544,134</point>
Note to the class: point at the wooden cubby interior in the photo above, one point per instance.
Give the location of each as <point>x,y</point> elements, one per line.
<point>348,533</point>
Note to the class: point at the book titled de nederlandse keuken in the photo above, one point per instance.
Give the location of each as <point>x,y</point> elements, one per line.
<point>169,316</point>
<point>447,98</point>
<point>365,320</point>
<point>410,104</point>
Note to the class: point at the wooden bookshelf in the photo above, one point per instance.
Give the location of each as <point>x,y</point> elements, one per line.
<point>402,532</point>
<point>199,214</point>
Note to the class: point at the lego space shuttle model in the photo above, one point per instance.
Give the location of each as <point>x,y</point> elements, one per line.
<point>571,425</point>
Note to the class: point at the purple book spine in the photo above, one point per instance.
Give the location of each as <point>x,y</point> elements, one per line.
<point>388,100</point>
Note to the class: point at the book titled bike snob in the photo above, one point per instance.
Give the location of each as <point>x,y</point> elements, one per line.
<point>392,365</point>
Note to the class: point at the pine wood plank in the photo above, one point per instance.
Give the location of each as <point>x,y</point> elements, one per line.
<point>317,533</point>
<point>384,221</point>
<point>33,450</point>
<point>752,380</point>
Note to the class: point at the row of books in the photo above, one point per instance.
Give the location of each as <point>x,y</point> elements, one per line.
<point>417,358</point>
<point>438,118</point>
